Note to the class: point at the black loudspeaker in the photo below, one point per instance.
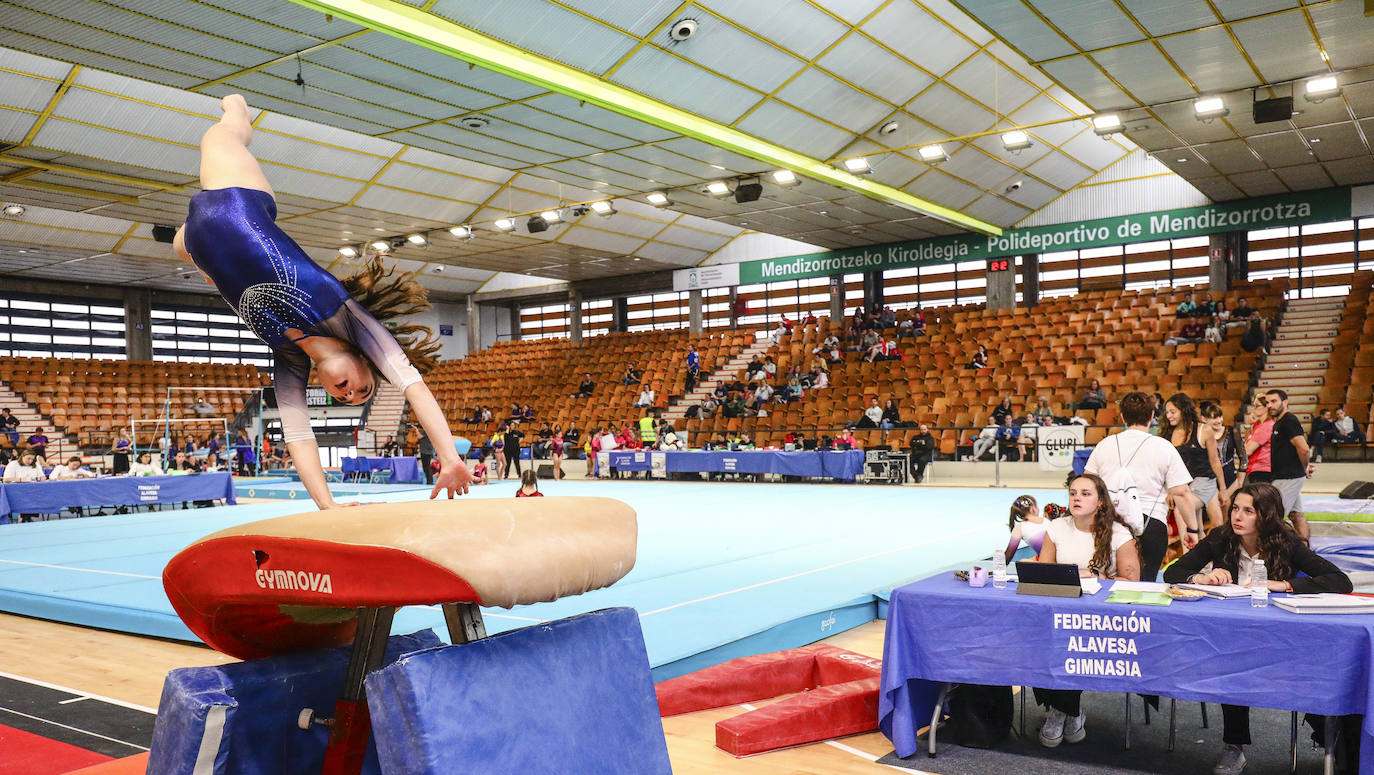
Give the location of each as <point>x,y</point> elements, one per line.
<point>164,233</point>
<point>1358,490</point>
<point>1277,109</point>
<point>748,192</point>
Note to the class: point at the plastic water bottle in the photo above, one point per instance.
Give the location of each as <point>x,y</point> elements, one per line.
<point>999,569</point>
<point>1259,585</point>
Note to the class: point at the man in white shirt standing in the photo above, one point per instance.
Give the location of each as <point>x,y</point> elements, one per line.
<point>1159,475</point>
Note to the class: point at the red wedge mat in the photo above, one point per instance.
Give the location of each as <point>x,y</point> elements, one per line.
<point>130,765</point>
<point>24,753</point>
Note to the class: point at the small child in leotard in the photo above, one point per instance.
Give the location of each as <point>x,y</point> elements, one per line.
<point>1026,525</point>
<point>529,485</point>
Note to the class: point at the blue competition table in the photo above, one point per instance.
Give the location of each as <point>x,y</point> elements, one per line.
<point>1206,651</point>
<point>403,469</point>
<point>53,497</point>
<point>836,465</point>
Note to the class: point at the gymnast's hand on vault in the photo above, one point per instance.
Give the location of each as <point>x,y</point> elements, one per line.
<point>454,477</point>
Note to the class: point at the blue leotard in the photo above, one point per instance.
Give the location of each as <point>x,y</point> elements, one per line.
<point>275,287</point>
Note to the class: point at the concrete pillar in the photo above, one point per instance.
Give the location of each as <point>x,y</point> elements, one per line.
<point>873,290</point>
<point>1230,261</point>
<point>575,317</point>
<point>836,297</point>
<point>1001,284</point>
<point>138,325</point>
<point>734,305</point>
<point>620,314</point>
<point>1030,279</point>
<point>474,325</point>
<point>514,312</point>
<point>694,312</point>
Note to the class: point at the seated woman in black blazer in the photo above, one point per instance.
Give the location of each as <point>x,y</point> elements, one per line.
<point>1256,530</point>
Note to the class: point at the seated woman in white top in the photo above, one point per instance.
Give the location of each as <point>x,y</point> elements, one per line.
<point>71,470</point>
<point>1097,540</point>
<point>646,397</point>
<point>145,466</point>
<point>24,469</point>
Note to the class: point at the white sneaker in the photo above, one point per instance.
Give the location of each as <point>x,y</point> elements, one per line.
<point>1232,761</point>
<point>1052,733</point>
<point>1073,728</point>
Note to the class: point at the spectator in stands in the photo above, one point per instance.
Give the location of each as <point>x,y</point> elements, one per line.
<point>1191,333</point>
<point>1093,397</point>
<point>918,321</point>
<point>820,378</point>
<point>793,391</point>
<point>529,485</point>
<point>984,441</point>
<point>516,413</point>
<point>868,340</point>
<point>1255,337</point>
<point>829,349</point>
<point>424,450</point>
<point>1347,431</point>
<point>1002,411</point>
<point>754,366</point>
<point>708,408</point>
<point>202,407</point>
<point>391,448</point>
<point>1242,311</point>
<point>646,397</point>
<point>526,413</point>
<point>1042,410</point>
<point>891,417</point>
<point>179,464</point>
<point>145,465</point>
<point>539,450</point>
<point>9,425</point>
<point>1213,331</point>
<point>770,369</point>
<point>586,387</point>
<point>872,416</point>
<point>1255,529</point>
<point>693,362</point>
<point>631,376</point>
<point>1323,431</point>
<point>1289,458</point>
<point>922,451</point>
<point>722,392</point>
<point>486,414</point>
<point>888,318</point>
<point>1188,308</point>
<point>1096,539</point>
<point>1009,438</point>
<point>1196,445</point>
<point>25,468</point>
<point>763,395</point>
<point>38,445</point>
<point>1154,468</point>
<point>119,450</point>
<point>476,415</point>
<point>511,448</point>
<point>211,463</point>
<point>980,358</point>
<point>778,333</point>
<point>572,441</point>
<point>1029,427</point>
<point>735,405</point>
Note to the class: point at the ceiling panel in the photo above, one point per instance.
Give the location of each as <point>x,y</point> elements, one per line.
<point>795,26</point>
<point>913,33</point>
<point>1091,24</point>
<point>859,60</point>
<point>1287,46</point>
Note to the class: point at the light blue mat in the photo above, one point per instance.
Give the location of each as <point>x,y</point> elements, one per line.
<point>722,569</point>
<point>286,489</point>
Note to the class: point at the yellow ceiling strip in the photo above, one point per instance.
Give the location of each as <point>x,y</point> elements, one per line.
<point>61,189</point>
<point>410,24</point>
<point>70,170</point>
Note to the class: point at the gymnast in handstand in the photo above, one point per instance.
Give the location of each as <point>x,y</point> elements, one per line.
<point>302,311</point>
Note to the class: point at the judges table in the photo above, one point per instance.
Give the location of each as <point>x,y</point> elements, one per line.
<point>835,465</point>
<point>940,630</point>
<point>403,469</point>
<point>53,497</point>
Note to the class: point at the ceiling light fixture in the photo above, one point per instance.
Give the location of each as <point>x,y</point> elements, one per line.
<point>858,166</point>
<point>551,216</point>
<point>1016,141</point>
<point>1107,124</point>
<point>786,178</point>
<point>1318,89</point>
<point>504,224</point>
<point>717,188</point>
<point>14,211</point>
<point>604,208</point>
<point>348,251</point>
<point>1208,108</point>
<point>748,190</point>
<point>382,246</point>
<point>933,154</point>
<point>658,199</point>
<point>461,232</point>
<point>417,239</point>
<point>889,128</point>
<point>536,224</point>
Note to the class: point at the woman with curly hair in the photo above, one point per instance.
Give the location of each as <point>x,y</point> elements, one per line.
<point>1197,445</point>
<point>1255,531</point>
<point>306,315</point>
<point>1098,541</point>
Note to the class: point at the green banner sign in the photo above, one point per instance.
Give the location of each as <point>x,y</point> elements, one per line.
<point>1332,204</point>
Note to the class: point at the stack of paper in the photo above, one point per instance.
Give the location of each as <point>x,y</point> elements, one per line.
<point>1324,603</point>
<point>1225,591</point>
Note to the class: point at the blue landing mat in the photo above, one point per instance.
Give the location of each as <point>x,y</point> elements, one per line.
<point>722,569</point>
<point>286,489</point>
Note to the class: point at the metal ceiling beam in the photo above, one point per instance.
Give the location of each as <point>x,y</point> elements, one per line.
<point>21,161</point>
<point>437,34</point>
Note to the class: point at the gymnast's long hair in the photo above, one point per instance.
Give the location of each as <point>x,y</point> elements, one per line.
<point>1277,539</point>
<point>387,296</point>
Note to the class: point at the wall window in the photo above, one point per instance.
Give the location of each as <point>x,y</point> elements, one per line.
<point>200,335</point>
<point>60,327</point>
<point>547,322</point>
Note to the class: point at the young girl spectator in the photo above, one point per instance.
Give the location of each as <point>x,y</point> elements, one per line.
<point>1198,448</point>
<point>1026,525</point>
<point>479,471</point>
<point>529,485</point>
<point>498,449</point>
<point>556,451</point>
<point>1255,531</point>
<point>1097,540</point>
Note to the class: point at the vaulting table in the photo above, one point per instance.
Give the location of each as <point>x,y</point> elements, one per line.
<point>940,630</point>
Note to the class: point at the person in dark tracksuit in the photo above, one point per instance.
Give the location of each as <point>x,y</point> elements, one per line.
<point>512,439</point>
